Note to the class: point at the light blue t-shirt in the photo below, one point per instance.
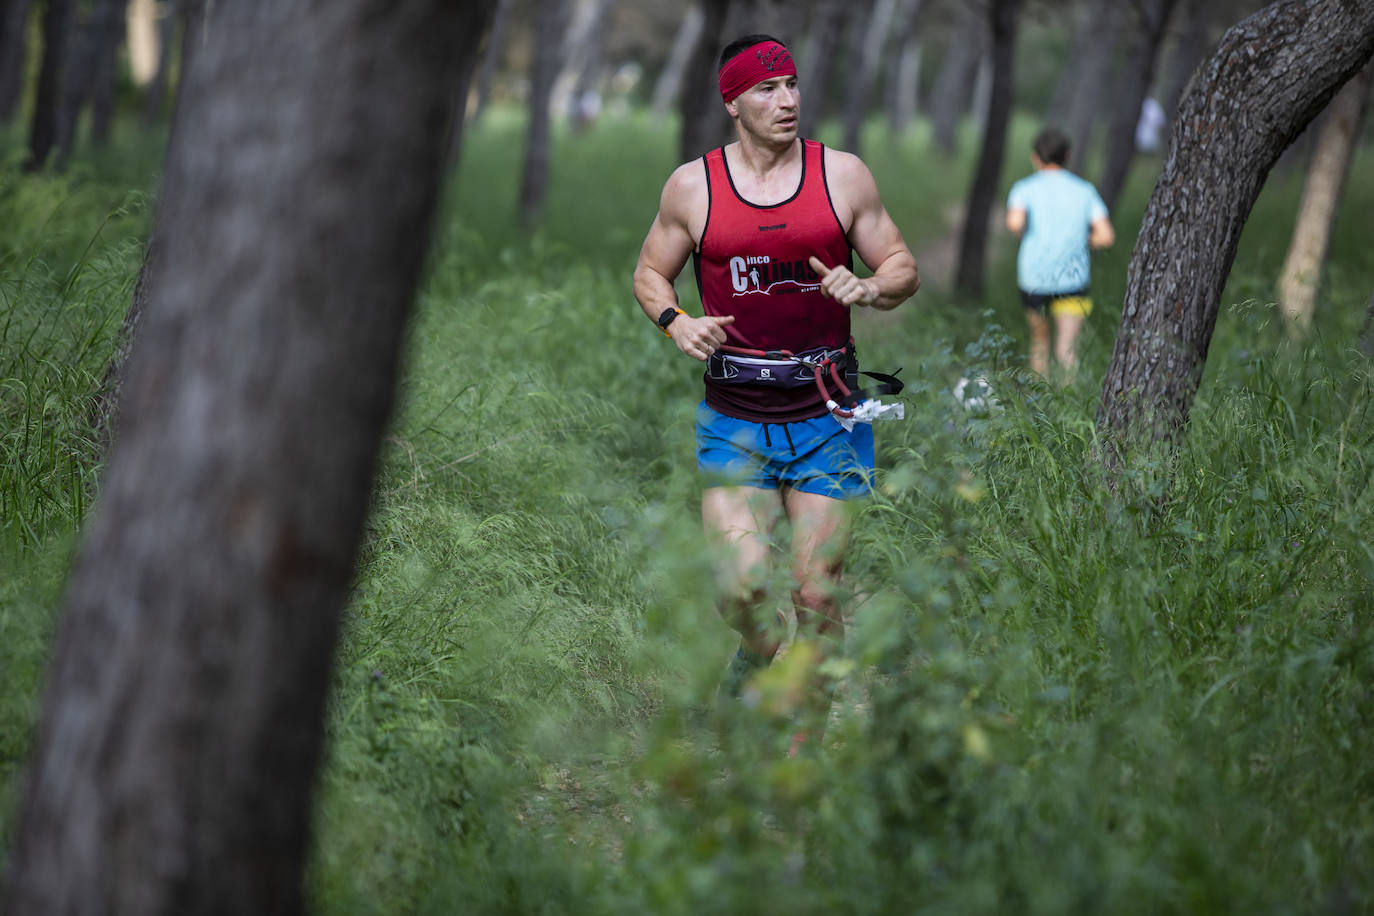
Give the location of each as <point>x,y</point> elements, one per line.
<point>1059,207</point>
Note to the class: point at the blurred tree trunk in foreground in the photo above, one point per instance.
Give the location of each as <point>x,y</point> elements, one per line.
<point>1321,198</point>
<point>1002,16</point>
<point>953,92</point>
<point>182,720</point>
<point>479,21</point>
<point>48,95</point>
<point>704,120</point>
<point>1269,76</point>
<point>14,33</point>
<point>1152,17</point>
<point>548,62</point>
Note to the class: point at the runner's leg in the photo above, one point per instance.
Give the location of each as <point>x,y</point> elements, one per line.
<point>739,524</point>
<point>1066,329</point>
<point>1039,342</point>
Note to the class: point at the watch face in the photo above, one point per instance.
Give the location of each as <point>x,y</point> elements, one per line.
<point>667,317</point>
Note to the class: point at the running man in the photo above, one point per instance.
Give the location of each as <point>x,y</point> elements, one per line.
<point>793,212</point>
<point>1059,216</point>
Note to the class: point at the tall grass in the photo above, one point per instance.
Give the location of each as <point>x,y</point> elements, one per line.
<point>1058,692</point>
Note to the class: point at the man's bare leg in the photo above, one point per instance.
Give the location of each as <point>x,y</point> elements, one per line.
<point>739,524</point>
<point>820,535</point>
<point>1066,329</point>
<point>1039,342</point>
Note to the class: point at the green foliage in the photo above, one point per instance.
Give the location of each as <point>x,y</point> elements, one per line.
<point>1059,692</point>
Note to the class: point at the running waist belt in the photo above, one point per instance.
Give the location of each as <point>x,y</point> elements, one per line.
<point>780,368</point>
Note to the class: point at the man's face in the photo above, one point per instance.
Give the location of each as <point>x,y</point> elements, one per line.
<point>770,110</point>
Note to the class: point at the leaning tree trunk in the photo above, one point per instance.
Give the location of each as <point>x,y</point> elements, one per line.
<point>14,34</point>
<point>48,96</point>
<point>1321,197</point>
<point>1269,76</point>
<point>1137,75</point>
<point>704,120</point>
<point>1002,16</point>
<point>182,723</point>
<point>548,62</point>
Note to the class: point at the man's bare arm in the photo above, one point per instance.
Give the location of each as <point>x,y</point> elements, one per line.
<point>1101,234</point>
<point>666,248</point>
<point>874,236</point>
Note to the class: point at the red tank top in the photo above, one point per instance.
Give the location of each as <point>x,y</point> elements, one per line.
<point>752,263</point>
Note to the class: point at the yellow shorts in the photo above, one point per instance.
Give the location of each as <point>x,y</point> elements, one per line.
<point>1075,304</point>
<point>1079,306</point>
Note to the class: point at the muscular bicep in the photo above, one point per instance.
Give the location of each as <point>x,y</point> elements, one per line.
<point>872,232</point>
<point>666,248</point>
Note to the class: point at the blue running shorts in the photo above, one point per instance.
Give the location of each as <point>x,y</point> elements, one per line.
<point>814,456</point>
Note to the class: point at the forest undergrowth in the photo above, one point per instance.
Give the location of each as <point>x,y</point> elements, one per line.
<point>1059,692</point>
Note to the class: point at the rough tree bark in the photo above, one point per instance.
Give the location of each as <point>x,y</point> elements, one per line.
<point>182,722</point>
<point>953,91</point>
<point>704,121</point>
<point>1152,17</point>
<point>14,28</point>
<point>1321,198</point>
<point>48,95</point>
<point>1268,77</point>
<point>1002,21</point>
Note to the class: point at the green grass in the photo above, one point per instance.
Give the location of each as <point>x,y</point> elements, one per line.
<point>1060,692</point>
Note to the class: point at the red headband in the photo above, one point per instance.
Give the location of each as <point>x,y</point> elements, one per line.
<point>752,66</point>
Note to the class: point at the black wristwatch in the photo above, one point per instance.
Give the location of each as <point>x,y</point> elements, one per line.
<point>667,317</point>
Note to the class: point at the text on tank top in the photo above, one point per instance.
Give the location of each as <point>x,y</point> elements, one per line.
<point>752,263</point>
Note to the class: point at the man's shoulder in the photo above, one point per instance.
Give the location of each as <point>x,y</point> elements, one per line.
<point>686,184</point>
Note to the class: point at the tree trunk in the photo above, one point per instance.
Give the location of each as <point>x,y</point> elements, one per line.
<point>1136,78</point>
<point>1002,16</point>
<point>1090,89</point>
<point>1189,47</point>
<point>496,48</point>
<point>904,91</point>
<point>76,82</point>
<point>155,96</point>
<point>864,72</point>
<point>1070,71</point>
<point>479,21</point>
<point>47,98</point>
<point>584,64</point>
<point>182,723</point>
<point>1321,197</point>
<point>110,27</point>
<point>14,34</point>
<point>669,84</point>
<point>548,62</point>
<point>1268,77</point>
<point>705,123</point>
<point>814,70</point>
<point>953,92</point>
